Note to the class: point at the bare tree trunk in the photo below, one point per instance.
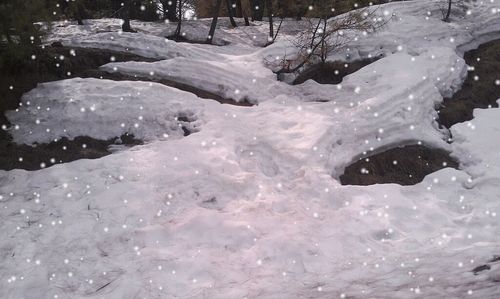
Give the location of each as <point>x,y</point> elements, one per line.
<point>80,12</point>
<point>177,32</point>
<point>258,10</point>
<point>126,17</point>
<point>447,17</point>
<point>239,9</point>
<point>245,13</point>
<point>269,5</point>
<point>214,22</point>
<point>324,50</point>
<point>230,12</point>
<point>313,39</point>
<point>277,30</point>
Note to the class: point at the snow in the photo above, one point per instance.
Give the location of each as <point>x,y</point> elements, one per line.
<point>247,207</point>
<point>103,109</point>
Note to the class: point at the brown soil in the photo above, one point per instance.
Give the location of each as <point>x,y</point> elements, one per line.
<point>406,165</point>
<point>480,93</point>
<point>332,72</point>
<point>189,88</point>
<point>480,90</point>
<point>53,63</point>
<point>21,156</point>
<point>48,66</point>
<point>182,39</point>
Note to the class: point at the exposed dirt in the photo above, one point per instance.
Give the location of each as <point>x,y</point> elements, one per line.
<point>182,39</point>
<point>481,89</point>
<point>332,72</point>
<point>21,156</point>
<point>486,267</point>
<point>189,88</point>
<point>53,63</point>
<point>406,165</point>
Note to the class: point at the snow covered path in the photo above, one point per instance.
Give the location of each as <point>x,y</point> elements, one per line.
<point>247,207</point>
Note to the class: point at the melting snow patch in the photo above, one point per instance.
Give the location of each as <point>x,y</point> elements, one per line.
<point>103,109</point>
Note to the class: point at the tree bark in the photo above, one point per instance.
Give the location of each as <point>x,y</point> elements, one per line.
<point>239,9</point>
<point>177,33</point>
<point>301,14</point>
<point>244,11</point>
<point>230,12</point>
<point>448,12</point>
<point>214,21</point>
<point>126,17</point>
<point>269,5</point>
<point>80,12</point>
<point>258,10</point>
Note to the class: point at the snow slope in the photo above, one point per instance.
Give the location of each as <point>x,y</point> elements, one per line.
<point>102,109</point>
<point>247,207</point>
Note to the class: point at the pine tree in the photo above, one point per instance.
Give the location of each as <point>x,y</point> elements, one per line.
<point>19,35</point>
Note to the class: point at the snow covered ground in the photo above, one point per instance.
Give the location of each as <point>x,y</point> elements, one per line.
<point>248,206</point>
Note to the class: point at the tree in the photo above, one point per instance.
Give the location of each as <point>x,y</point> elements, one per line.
<point>135,9</point>
<point>446,18</point>
<point>244,12</point>
<point>239,9</point>
<point>144,10</point>
<point>257,10</point>
<point>270,16</point>
<point>182,5</point>
<point>213,25</point>
<point>63,5</point>
<point>79,11</point>
<point>446,9</point>
<point>327,34</point>
<point>169,10</point>
<point>293,8</point>
<point>19,36</point>
<point>234,8</point>
<point>177,33</point>
<point>126,16</point>
<point>243,9</point>
<point>230,11</point>
<point>73,9</point>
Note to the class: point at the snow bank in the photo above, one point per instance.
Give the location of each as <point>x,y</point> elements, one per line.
<point>229,80</point>
<point>247,206</point>
<point>103,109</point>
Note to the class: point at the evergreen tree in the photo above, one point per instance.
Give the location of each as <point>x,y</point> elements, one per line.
<point>19,35</point>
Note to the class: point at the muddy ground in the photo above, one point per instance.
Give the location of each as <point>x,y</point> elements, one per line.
<point>406,165</point>
<point>481,89</point>
<point>53,63</point>
<point>332,72</point>
<point>56,62</point>
<point>15,156</point>
<point>186,87</point>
